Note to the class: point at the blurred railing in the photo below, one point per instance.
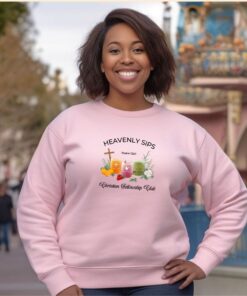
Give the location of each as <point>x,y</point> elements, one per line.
<point>216,63</point>
<point>197,221</point>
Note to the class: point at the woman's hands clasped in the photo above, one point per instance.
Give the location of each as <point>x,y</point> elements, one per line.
<point>179,269</point>
<point>71,291</point>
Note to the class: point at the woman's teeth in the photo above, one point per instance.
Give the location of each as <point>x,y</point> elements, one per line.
<point>128,74</point>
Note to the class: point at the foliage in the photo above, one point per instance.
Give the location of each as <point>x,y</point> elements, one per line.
<point>12,12</point>
<point>29,97</point>
<point>23,93</point>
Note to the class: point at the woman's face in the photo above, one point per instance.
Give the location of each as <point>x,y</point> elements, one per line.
<point>124,61</point>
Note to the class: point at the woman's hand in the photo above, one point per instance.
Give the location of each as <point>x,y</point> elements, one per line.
<point>71,291</point>
<point>179,269</point>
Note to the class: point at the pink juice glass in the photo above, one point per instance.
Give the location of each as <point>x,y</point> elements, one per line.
<point>127,170</point>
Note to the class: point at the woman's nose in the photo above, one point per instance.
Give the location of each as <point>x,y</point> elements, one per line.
<point>127,58</point>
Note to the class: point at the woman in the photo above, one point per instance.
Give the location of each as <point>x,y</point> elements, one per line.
<point>99,212</point>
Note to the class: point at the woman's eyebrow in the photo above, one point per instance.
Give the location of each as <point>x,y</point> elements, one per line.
<point>118,43</point>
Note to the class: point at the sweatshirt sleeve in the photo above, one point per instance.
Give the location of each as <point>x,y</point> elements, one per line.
<point>225,199</point>
<point>38,204</point>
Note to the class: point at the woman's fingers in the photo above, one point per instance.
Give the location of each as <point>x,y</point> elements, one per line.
<point>174,270</point>
<point>178,277</point>
<point>71,291</point>
<point>187,282</point>
<point>173,263</point>
<point>79,291</point>
<point>177,270</point>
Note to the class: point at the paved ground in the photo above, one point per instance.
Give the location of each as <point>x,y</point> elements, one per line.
<point>16,276</point>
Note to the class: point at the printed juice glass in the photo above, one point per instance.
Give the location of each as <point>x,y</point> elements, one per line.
<point>116,166</point>
<point>127,170</point>
<point>139,168</point>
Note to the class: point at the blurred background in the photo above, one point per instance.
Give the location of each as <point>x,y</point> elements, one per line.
<point>38,54</point>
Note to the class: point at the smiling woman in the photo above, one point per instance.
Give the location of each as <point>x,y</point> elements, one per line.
<point>127,52</point>
<point>99,208</point>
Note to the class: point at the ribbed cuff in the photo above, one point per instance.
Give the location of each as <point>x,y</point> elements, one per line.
<point>57,281</point>
<point>206,259</point>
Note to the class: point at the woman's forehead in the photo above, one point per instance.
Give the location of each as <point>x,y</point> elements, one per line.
<point>120,33</point>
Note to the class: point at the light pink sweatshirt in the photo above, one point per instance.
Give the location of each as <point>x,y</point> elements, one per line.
<point>99,205</point>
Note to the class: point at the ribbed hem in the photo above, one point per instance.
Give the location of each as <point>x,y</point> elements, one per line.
<point>117,277</point>
<point>57,281</point>
<point>206,259</point>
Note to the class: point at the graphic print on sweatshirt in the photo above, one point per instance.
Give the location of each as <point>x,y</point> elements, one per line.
<point>124,165</point>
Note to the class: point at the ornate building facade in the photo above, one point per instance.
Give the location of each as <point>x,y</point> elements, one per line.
<point>211,87</point>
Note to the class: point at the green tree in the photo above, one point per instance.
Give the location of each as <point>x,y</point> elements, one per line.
<point>29,97</point>
<point>24,94</point>
<point>15,13</point>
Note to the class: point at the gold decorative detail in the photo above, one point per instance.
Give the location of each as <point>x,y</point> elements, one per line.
<point>235,106</point>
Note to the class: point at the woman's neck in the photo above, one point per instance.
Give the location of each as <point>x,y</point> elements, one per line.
<point>127,103</point>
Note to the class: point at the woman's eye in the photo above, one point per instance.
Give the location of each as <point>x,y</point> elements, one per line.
<point>138,50</point>
<point>114,51</point>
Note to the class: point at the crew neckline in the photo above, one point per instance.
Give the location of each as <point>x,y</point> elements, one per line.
<point>138,113</point>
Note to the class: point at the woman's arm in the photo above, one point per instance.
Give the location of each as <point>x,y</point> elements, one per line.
<point>41,194</point>
<point>225,199</point>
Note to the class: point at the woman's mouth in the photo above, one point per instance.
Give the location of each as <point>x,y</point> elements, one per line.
<point>127,75</point>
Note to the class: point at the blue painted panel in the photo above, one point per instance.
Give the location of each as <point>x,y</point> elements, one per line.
<point>220,21</point>
<point>196,222</point>
<point>186,4</point>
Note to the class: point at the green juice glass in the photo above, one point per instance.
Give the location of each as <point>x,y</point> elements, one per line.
<point>138,168</point>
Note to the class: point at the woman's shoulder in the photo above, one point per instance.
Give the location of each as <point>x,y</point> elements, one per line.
<point>70,117</point>
<point>183,126</point>
<point>74,111</point>
<point>181,120</point>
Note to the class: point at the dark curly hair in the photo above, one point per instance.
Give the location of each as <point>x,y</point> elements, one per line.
<point>92,81</point>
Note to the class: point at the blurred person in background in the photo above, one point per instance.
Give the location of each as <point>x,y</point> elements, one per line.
<point>6,214</point>
<point>14,189</point>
